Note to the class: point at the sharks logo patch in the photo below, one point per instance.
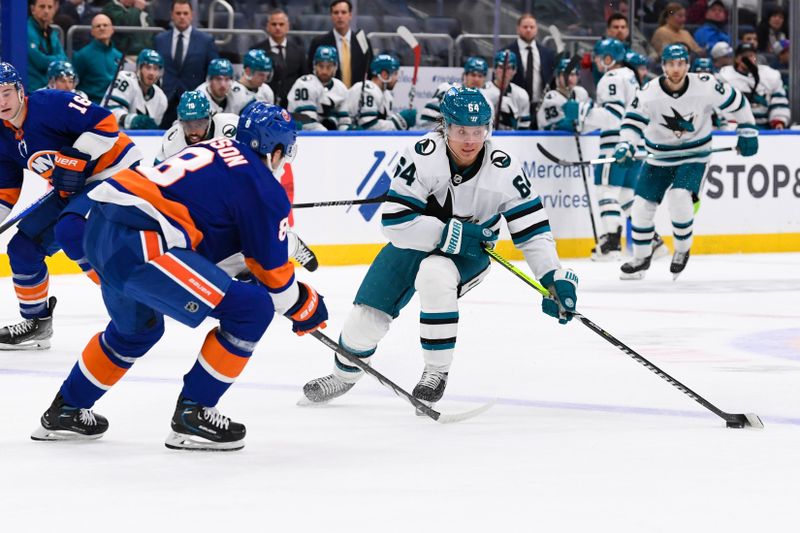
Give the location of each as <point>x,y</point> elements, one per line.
<point>677,123</point>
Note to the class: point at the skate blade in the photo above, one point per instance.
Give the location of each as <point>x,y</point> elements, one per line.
<point>182,441</point>
<point>43,434</point>
<point>632,275</point>
<point>306,402</point>
<point>675,276</point>
<point>419,412</point>
<point>43,344</point>
<point>606,258</point>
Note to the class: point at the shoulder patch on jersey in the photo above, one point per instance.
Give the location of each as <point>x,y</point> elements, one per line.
<point>425,147</point>
<point>236,89</point>
<point>500,159</point>
<point>229,130</point>
<point>171,135</point>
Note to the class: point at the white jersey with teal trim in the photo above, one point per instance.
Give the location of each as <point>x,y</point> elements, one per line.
<point>311,103</point>
<point>424,194</point>
<point>237,98</point>
<point>262,94</point>
<point>173,141</point>
<point>615,91</point>
<point>430,114</point>
<point>550,112</point>
<point>516,112</point>
<point>672,122</point>
<point>127,100</point>
<point>376,111</point>
<point>767,99</point>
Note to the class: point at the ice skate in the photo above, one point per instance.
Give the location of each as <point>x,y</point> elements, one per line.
<point>635,269</point>
<point>659,248</point>
<point>64,422</point>
<point>30,334</point>
<point>609,247</point>
<point>195,427</point>
<point>324,389</point>
<point>679,260</point>
<point>303,254</point>
<point>430,388</point>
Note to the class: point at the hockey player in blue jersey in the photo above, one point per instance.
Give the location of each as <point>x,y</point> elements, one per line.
<point>154,236</point>
<point>450,191</point>
<point>75,145</point>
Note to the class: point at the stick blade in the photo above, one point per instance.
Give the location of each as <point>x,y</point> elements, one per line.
<point>361,37</point>
<point>754,421</point>
<point>740,421</point>
<point>466,415</point>
<point>407,36</point>
<point>549,155</point>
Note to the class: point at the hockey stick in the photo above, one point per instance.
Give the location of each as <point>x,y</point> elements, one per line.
<point>27,211</point>
<point>411,41</point>
<point>335,203</point>
<point>506,59</point>
<point>605,160</point>
<point>732,420</point>
<point>361,37</point>
<point>106,96</point>
<point>386,382</point>
<point>577,138</point>
<point>555,33</point>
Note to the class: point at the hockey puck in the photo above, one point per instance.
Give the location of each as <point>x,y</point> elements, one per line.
<point>735,424</point>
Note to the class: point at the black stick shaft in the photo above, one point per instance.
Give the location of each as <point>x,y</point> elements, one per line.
<point>335,203</point>
<point>106,96</point>
<point>586,184</point>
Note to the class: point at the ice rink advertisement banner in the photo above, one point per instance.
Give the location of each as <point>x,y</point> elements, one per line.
<point>747,205</point>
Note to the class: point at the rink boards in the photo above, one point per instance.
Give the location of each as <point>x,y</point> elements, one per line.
<point>748,204</point>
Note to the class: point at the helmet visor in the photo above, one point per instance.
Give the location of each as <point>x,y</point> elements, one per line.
<point>468,133</point>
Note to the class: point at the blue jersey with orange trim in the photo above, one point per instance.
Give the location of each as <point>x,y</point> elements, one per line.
<point>55,119</point>
<point>216,197</point>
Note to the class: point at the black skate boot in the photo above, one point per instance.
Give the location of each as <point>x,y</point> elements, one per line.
<point>64,422</point>
<point>304,255</point>
<point>610,247</point>
<point>324,389</point>
<point>635,269</point>
<point>195,427</point>
<point>659,248</point>
<point>30,334</point>
<point>430,388</point>
<point>679,260</point>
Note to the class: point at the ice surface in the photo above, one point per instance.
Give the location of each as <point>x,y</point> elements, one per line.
<point>582,438</point>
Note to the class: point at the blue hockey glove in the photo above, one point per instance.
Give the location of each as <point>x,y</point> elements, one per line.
<point>565,125</point>
<point>570,109</point>
<point>309,312</point>
<point>69,172</point>
<point>143,122</point>
<point>465,238</point>
<point>747,141</point>
<point>623,153</point>
<point>406,118</point>
<point>562,284</point>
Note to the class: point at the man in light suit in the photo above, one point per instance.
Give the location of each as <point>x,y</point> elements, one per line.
<point>288,56</point>
<point>536,62</point>
<point>187,53</point>
<point>344,39</point>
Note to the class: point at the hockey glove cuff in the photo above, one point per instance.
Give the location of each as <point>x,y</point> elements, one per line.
<point>570,109</point>
<point>563,286</point>
<point>69,172</point>
<point>309,312</point>
<point>623,153</point>
<point>747,140</point>
<point>465,238</point>
<point>143,122</point>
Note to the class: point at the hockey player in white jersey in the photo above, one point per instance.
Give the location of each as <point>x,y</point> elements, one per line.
<point>448,195</point>
<point>516,111</point>
<point>371,104</point>
<point>704,65</point>
<point>136,100</point>
<point>61,76</point>
<point>256,74</point>
<point>225,94</point>
<point>761,85</point>
<point>318,101</point>
<point>673,116</point>
<point>475,71</point>
<point>615,183</point>
<point>196,124</point>
<point>561,107</point>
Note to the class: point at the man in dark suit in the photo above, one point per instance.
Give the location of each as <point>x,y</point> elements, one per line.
<point>344,39</point>
<point>537,62</point>
<point>186,52</point>
<point>288,57</point>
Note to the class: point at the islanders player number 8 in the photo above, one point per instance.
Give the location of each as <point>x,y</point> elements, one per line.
<point>166,174</point>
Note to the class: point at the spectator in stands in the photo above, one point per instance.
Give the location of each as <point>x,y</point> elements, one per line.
<point>187,53</point>
<point>617,28</point>
<point>130,13</point>
<point>76,12</point>
<point>352,61</point>
<point>536,63</point>
<point>713,29</point>
<point>651,11</point>
<point>96,63</point>
<point>288,56</point>
<point>44,47</point>
<point>781,62</point>
<point>747,34</point>
<point>772,29</point>
<point>671,30</point>
<point>721,55</point>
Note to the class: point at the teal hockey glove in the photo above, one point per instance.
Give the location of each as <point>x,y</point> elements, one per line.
<point>465,238</point>
<point>563,286</point>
